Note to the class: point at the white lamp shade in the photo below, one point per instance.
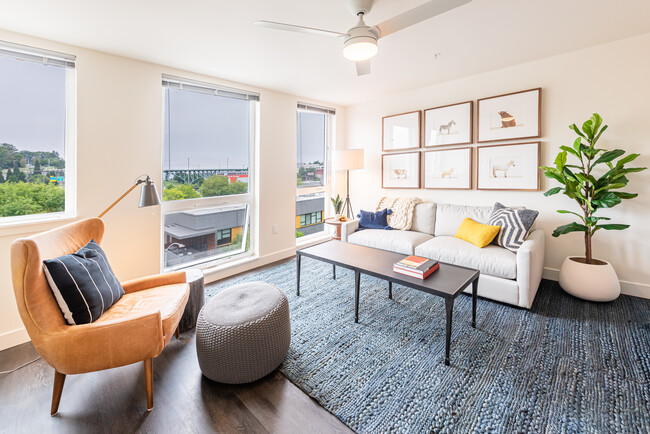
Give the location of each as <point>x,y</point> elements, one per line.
<point>348,159</point>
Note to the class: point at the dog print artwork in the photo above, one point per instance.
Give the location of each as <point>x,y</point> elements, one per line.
<point>448,169</point>
<point>400,170</point>
<point>512,116</point>
<point>508,167</point>
<point>448,125</point>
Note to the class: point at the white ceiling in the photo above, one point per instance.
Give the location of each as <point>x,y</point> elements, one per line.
<point>217,38</point>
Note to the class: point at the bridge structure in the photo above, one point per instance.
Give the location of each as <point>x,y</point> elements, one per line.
<point>190,176</point>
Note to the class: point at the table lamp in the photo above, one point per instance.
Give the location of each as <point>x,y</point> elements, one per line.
<point>348,159</point>
<point>148,194</point>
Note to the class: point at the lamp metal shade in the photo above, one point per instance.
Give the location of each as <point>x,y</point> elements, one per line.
<point>149,194</point>
<point>348,159</point>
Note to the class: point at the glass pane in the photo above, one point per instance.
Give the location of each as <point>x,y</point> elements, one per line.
<point>32,138</point>
<point>206,145</point>
<point>312,145</point>
<point>307,208</point>
<point>201,235</point>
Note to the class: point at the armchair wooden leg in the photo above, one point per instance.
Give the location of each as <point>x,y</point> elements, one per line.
<point>177,333</point>
<point>148,378</point>
<point>59,379</point>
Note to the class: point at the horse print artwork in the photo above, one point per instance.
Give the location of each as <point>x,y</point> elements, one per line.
<point>446,127</point>
<point>507,120</point>
<point>503,168</point>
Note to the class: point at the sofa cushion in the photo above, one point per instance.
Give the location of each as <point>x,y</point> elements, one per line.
<point>374,220</point>
<point>490,260</point>
<point>424,218</point>
<point>395,241</point>
<point>515,225</point>
<point>449,217</point>
<point>477,233</point>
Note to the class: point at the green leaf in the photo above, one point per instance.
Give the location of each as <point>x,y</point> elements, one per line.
<point>623,161</point>
<point>569,174</point>
<point>560,160</point>
<point>609,156</point>
<point>563,211</point>
<point>552,191</point>
<point>624,195</point>
<point>587,128</point>
<point>599,134</point>
<point>593,220</point>
<point>609,164</point>
<point>597,121</point>
<point>613,227</point>
<point>570,150</point>
<point>575,128</point>
<point>554,175</point>
<point>571,227</point>
<point>609,187</point>
<point>606,200</point>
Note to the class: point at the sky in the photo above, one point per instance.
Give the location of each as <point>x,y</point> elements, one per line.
<point>209,132</point>
<point>32,105</point>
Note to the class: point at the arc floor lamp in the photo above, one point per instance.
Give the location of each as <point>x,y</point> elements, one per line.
<point>148,195</point>
<point>348,159</point>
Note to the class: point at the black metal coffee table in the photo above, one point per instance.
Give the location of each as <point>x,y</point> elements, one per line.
<point>448,282</point>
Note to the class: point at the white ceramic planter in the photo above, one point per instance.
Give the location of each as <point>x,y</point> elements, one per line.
<point>590,281</point>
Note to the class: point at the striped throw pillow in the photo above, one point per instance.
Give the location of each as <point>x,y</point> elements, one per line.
<point>515,225</point>
<point>83,284</point>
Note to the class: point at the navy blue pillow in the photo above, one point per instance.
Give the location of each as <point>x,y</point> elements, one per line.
<point>374,220</point>
<point>83,284</point>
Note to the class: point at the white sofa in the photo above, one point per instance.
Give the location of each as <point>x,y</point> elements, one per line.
<point>507,277</point>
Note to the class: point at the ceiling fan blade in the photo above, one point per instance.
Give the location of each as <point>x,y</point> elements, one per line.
<point>363,68</point>
<point>418,14</point>
<point>294,28</point>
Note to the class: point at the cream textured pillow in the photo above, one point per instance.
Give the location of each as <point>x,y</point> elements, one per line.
<point>402,216</point>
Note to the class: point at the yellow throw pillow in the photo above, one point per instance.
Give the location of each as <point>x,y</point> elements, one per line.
<point>477,233</point>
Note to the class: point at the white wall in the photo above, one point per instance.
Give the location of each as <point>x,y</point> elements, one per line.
<point>611,79</point>
<point>119,136</point>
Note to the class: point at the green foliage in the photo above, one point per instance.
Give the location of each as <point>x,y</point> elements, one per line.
<point>592,187</point>
<point>20,198</point>
<point>179,192</point>
<point>337,203</point>
<point>217,185</point>
<point>299,234</point>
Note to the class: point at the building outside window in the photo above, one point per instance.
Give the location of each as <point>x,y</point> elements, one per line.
<point>207,172</point>
<point>37,134</point>
<point>314,131</point>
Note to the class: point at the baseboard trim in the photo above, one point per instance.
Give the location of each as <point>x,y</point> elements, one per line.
<point>634,289</point>
<point>12,338</point>
<point>218,273</point>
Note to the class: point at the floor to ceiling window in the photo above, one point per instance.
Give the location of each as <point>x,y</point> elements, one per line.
<point>37,134</point>
<point>314,129</point>
<point>208,172</point>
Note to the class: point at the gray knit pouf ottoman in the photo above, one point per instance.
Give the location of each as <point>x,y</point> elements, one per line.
<point>243,333</point>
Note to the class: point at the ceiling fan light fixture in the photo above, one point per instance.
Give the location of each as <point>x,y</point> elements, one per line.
<point>360,48</point>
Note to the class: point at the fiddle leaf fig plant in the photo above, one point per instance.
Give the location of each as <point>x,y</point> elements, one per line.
<point>594,181</point>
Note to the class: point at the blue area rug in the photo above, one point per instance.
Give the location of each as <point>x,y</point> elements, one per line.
<point>565,366</point>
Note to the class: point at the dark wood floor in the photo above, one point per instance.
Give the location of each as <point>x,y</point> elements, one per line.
<point>184,401</point>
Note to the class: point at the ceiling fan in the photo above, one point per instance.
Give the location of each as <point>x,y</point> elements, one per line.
<point>360,42</point>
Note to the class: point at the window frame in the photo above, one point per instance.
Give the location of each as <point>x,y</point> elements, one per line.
<point>52,59</point>
<point>326,188</point>
<point>249,199</point>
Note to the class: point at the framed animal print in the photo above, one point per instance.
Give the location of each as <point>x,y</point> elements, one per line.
<point>448,125</point>
<point>448,169</point>
<point>401,132</point>
<point>509,167</point>
<point>400,170</point>
<point>512,116</point>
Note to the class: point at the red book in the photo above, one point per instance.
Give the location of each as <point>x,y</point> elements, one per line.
<point>415,273</point>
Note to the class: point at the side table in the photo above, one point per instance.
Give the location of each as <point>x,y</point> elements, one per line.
<point>336,223</point>
<point>196,300</point>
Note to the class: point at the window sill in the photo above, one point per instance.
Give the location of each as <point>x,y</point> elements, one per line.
<point>34,225</point>
<point>310,240</point>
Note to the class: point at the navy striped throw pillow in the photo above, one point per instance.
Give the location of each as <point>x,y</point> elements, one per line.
<point>83,284</point>
<point>515,225</point>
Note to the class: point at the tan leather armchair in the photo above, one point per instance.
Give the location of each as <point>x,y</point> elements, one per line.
<point>135,329</point>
